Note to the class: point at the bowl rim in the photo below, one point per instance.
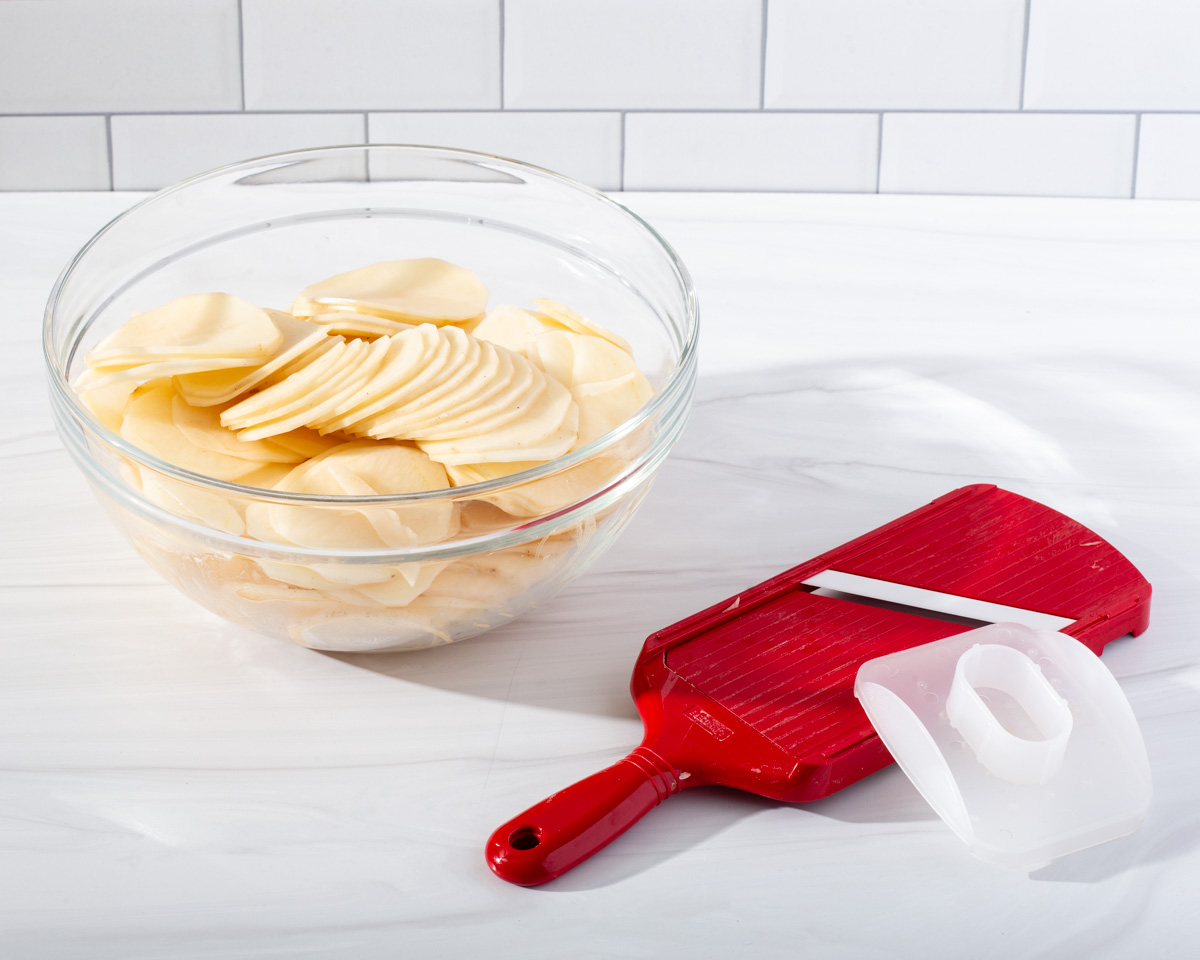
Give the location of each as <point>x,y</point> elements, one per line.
<point>675,388</point>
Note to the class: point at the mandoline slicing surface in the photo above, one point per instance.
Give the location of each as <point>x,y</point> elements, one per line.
<point>787,668</point>
<point>1005,549</point>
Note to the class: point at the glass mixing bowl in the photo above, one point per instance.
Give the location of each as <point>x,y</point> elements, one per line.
<point>480,555</point>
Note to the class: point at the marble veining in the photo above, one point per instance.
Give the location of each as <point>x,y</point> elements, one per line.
<point>174,787</point>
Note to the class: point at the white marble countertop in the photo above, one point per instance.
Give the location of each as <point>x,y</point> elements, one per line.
<point>174,787</point>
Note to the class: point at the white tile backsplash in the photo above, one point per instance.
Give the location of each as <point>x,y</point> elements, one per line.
<point>371,54</point>
<point>101,56</point>
<point>586,146</point>
<point>53,153</point>
<point>873,54</point>
<point>1113,55</point>
<point>1169,157</point>
<point>1027,154</point>
<point>988,96</point>
<point>756,151</point>
<point>632,54</point>
<point>149,152</point>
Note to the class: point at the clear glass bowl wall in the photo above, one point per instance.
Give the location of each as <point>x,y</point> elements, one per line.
<point>266,228</point>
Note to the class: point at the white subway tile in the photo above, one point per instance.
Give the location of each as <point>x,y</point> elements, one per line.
<point>371,54</point>
<point>1085,155</point>
<point>586,146</point>
<point>632,54</point>
<point>751,151</point>
<point>1169,157</point>
<point>53,153</point>
<point>154,151</point>
<point>80,56</point>
<point>1113,55</point>
<point>880,54</point>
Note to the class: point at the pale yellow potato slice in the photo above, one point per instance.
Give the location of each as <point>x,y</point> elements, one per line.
<point>400,591</point>
<point>555,354</point>
<point>605,406</point>
<point>428,373</point>
<point>383,468</point>
<point>106,403</point>
<point>202,426</point>
<point>213,387</point>
<point>182,499</point>
<point>424,289</point>
<point>329,398</point>
<point>579,323</point>
<point>149,425</point>
<point>303,442</point>
<point>460,367</point>
<point>603,379</point>
<point>267,476</point>
<point>352,324</point>
<point>527,386</point>
<point>511,327</point>
<point>491,373</point>
<point>167,368</point>
<point>293,392</point>
<point>538,498</point>
<point>410,352</point>
<point>547,430</point>
<point>200,325</point>
<point>309,356</point>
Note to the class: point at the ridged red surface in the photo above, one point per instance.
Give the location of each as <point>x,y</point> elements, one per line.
<point>787,668</point>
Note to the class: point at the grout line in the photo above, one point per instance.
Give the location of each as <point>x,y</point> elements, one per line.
<point>1137,148</point>
<point>502,16</point>
<point>108,136</point>
<point>858,111</point>
<point>1024,53</point>
<point>879,153</point>
<point>621,182</point>
<point>241,55</point>
<point>762,61</point>
<point>366,127</point>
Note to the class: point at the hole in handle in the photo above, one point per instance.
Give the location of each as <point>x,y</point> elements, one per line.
<point>524,838</point>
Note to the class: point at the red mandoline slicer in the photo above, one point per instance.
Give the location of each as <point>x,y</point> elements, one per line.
<point>756,692</point>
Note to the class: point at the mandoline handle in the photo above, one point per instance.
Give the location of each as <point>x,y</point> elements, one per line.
<point>567,827</point>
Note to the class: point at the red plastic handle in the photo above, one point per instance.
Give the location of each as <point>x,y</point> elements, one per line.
<point>567,827</point>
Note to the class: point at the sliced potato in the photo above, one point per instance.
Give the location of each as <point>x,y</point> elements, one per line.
<point>213,387</point>
<point>424,289</point>
<point>149,424</point>
<point>200,325</point>
<point>579,323</point>
<point>352,324</point>
<point>410,352</point>
<point>202,426</point>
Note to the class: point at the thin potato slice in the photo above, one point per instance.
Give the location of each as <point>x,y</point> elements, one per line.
<point>166,368</point>
<point>510,326</point>
<point>294,391</point>
<point>546,430</point>
<point>465,352</point>
<point>200,325</point>
<point>579,323</point>
<point>384,468</point>
<point>202,426</point>
<point>213,387</point>
<point>329,398</point>
<point>424,289</point>
<point>489,376</point>
<point>527,387</point>
<point>430,370</point>
<point>352,324</point>
<point>149,425</point>
<point>409,352</point>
